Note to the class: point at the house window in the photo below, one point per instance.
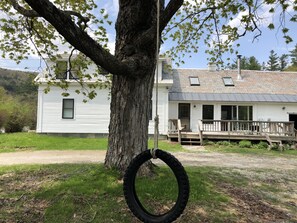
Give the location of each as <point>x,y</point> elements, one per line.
<point>234,112</point>
<point>68,109</point>
<point>73,70</point>
<point>229,112</point>
<point>245,113</point>
<point>228,81</point>
<point>61,70</point>
<point>207,113</point>
<point>194,81</point>
<point>183,111</point>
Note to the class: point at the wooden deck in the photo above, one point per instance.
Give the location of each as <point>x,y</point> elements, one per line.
<point>232,130</point>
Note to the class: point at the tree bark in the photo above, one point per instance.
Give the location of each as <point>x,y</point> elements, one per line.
<point>131,94</point>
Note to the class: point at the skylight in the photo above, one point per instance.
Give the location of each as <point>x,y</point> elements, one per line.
<point>228,81</point>
<point>194,81</point>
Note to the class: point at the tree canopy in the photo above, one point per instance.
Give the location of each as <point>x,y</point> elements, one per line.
<point>39,26</point>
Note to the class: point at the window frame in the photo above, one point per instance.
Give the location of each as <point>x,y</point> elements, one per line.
<point>68,74</point>
<point>193,82</point>
<point>63,74</point>
<point>63,108</point>
<point>228,81</point>
<point>208,120</point>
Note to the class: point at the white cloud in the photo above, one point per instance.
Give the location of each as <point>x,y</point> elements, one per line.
<point>111,7</point>
<point>111,47</point>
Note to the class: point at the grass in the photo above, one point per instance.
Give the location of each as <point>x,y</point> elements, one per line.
<point>227,147</point>
<point>31,141</point>
<point>86,192</point>
<point>90,193</point>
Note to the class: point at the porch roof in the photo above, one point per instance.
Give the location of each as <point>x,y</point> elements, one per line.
<point>232,97</point>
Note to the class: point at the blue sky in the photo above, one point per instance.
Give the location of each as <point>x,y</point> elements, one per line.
<point>260,48</point>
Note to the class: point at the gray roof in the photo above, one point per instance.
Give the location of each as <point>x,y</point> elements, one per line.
<point>229,97</point>
<point>255,86</point>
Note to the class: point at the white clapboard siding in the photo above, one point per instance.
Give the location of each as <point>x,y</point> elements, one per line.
<point>90,117</point>
<point>93,116</point>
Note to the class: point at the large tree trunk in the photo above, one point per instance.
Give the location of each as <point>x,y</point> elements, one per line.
<point>131,94</point>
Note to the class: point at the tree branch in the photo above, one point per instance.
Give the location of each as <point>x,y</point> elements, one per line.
<point>77,37</point>
<point>169,12</point>
<point>165,17</point>
<point>32,13</point>
<point>22,10</point>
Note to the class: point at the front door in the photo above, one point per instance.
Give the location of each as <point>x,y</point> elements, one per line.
<point>184,114</point>
<point>293,117</point>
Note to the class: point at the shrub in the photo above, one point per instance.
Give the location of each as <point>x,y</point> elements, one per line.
<point>15,122</point>
<point>245,144</point>
<point>3,117</point>
<point>223,143</point>
<point>261,145</point>
<point>208,143</point>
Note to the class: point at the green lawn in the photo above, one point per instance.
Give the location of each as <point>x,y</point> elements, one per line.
<point>90,193</point>
<point>31,141</point>
<point>253,150</point>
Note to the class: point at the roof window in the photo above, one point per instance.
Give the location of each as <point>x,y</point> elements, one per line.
<point>194,81</point>
<point>228,81</point>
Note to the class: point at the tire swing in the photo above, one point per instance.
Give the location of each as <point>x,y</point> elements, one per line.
<point>180,174</point>
<point>130,193</point>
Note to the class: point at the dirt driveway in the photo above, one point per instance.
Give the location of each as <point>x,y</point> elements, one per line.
<point>197,156</point>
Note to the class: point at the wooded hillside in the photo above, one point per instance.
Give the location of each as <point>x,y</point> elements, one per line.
<point>18,97</point>
<point>18,82</point>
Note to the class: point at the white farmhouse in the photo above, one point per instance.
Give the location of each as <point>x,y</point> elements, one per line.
<point>193,104</point>
<point>71,115</point>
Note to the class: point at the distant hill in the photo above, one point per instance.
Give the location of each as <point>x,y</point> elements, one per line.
<point>18,82</point>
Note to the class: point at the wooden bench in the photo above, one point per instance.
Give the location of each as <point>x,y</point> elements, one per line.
<point>271,142</point>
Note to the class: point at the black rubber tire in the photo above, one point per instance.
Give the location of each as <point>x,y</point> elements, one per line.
<point>130,193</point>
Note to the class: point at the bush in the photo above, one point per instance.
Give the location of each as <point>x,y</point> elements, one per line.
<point>224,143</point>
<point>15,122</point>
<point>245,144</point>
<point>208,143</point>
<point>3,117</point>
<point>261,145</point>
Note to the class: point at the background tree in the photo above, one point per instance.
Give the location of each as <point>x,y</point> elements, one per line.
<point>43,23</point>
<point>293,56</point>
<point>283,61</point>
<point>247,63</point>
<point>272,63</point>
<point>15,112</point>
<point>3,107</point>
<point>253,64</point>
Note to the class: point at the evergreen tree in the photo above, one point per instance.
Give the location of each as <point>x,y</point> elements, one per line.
<point>253,64</point>
<point>247,63</point>
<point>272,64</point>
<point>283,61</point>
<point>293,55</point>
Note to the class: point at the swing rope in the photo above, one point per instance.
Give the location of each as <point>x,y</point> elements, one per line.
<point>156,119</point>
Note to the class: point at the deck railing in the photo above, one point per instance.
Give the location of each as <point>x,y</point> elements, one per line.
<point>249,127</point>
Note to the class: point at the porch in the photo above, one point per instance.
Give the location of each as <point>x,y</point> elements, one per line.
<point>231,130</point>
